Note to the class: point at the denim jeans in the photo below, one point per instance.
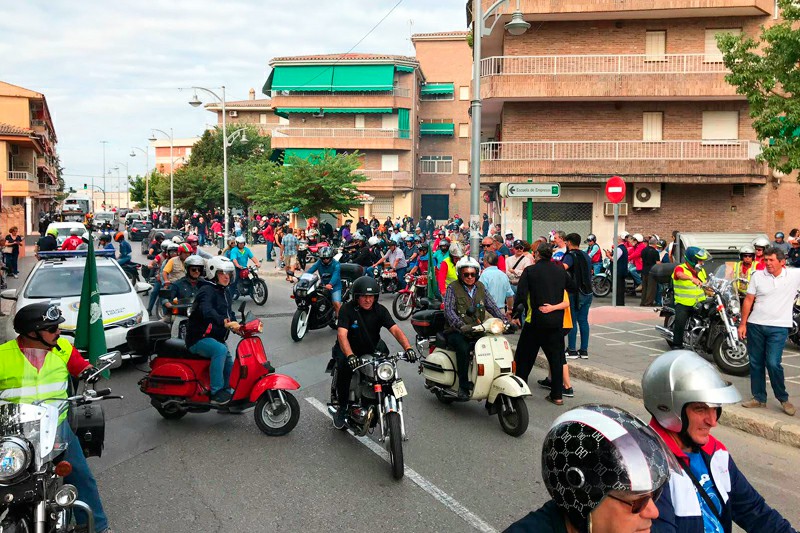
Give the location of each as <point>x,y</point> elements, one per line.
<point>765,347</point>
<point>154,298</point>
<point>201,239</point>
<point>11,263</point>
<point>597,267</point>
<point>580,305</point>
<point>634,274</point>
<point>401,277</point>
<point>84,481</point>
<point>660,294</point>
<point>270,245</point>
<point>221,361</point>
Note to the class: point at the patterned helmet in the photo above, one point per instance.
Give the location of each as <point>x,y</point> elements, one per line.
<point>695,254</point>
<point>185,249</point>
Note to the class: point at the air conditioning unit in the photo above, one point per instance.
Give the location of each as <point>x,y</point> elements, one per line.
<point>608,209</point>
<point>647,196</point>
<point>233,113</point>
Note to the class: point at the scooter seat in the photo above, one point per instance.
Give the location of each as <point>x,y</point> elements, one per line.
<point>441,341</point>
<point>176,349</point>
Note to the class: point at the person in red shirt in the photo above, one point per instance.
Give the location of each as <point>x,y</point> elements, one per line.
<point>269,236</point>
<point>635,256</point>
<point>73,241</point>
<point>760,245</point>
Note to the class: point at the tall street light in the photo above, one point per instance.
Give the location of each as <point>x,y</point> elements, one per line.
<point>146,153</point>
<point>517,26</point>
<point>116,169</point>
<point>104,143</point>
<point>127,175</point>
<point>171,170</point>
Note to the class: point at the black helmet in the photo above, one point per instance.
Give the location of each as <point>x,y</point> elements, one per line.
<point>34,317</point>
<point>159,236</point>
<point>105,237</point>
<point>326,252</point>
<point>366,286</point>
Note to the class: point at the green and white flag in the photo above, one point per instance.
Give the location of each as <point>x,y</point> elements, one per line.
<point>90,337</point>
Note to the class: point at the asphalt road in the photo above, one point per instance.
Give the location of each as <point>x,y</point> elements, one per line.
<point>215,472</point>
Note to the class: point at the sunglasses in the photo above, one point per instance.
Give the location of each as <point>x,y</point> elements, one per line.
<point>195,269</point>
<point>51,329</point>
<point>519,248</point>
<point>749,255</point>
<point>638,505</point>
<point>486,245</point>
<point>470,275</point>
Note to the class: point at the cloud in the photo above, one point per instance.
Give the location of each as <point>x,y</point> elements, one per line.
<point>111,70</point>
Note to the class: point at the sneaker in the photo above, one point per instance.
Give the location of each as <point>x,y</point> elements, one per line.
<point>221,397</point>
<point>339,418</point>
<point>569,393</point>
<point>753,403</point>
<point>788,408</point>
<point>572,354</point>
<point>544,383</point>
<point>584,354</point>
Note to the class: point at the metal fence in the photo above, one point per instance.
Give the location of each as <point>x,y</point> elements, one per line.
<point>361,133</point>
<point>603,64</point>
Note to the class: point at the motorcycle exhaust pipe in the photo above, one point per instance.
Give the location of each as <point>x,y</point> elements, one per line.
<point>664,332</point>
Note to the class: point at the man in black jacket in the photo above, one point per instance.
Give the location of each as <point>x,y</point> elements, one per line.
<point>541,291</point>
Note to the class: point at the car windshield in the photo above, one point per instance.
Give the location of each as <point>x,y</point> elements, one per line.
<point>64,281</point>
<point>64,232</point>
<point>104,216</point>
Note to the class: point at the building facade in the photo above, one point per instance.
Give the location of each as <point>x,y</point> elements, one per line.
<point>28,158</point>
<point>181,150</point>
<point>256,113</point>
<point>601,88</point>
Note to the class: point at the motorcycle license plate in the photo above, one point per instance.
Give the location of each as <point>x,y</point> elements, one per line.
<point>399,389</point>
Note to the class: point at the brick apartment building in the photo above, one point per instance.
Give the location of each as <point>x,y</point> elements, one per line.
<point>181,150</point>
<point>28,173</point>
<point>600,87</point>
<point>257,113</point>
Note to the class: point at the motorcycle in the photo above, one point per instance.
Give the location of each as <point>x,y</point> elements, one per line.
<point>313,249</point>
<point>794,333</point>
<point>179,383</point>
<point>491,369</point>
<point>602,281</point>
<point>386,278</point>
<point>35,497</point>
<point>175,312</point>
<point>712,327</point>
<point>315,303</point>
<point>256,235</point>
<point>406,300</point>
<point>132,271</point>
<point>249,284</point>
<point>376,399</point>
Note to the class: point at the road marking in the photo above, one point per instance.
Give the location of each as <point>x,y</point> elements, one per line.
<point>441,496</point>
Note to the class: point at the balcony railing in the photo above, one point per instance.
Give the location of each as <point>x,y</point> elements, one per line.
<point>19,175</point>
<point>376,175</point>
<point>358,133</point>
<point>602,64</point>
<point>620,150</point>
<point>397,91</point>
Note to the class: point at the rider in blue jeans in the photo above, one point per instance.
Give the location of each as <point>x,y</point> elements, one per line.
<point>209,323</point>
<point>330,271</point>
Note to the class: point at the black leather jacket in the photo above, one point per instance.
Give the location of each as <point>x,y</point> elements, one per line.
<point>212,305</point>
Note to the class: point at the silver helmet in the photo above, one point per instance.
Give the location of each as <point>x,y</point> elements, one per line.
<point>679,377</point>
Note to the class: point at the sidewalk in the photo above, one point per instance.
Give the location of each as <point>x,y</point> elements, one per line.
<point>622,344</point>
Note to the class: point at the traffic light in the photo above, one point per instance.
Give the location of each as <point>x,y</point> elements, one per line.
<point>85,187</point>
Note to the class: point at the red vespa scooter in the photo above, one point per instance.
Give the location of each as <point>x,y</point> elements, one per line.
<point>179,381</point>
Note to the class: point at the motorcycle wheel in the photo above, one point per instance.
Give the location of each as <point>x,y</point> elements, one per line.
<point>403,306</point>
<point>260,292</point>
<point>272,424</point>
<point>394,437</point>
<point>159,311</point>
<point>795,339</point>
<point>391,287</point>
<point>169,413</point>
<point>516,423</point>
<point>299,324</point>
<point>732,360</point>
<point>601,286</point>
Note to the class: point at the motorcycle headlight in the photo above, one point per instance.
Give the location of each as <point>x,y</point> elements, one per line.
<point>496,326</point>
<point>734,307</point>
<point>14,458</point>
<point>130,322</point>
<point>385,371</point>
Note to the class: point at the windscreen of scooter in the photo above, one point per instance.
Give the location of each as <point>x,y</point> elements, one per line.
<point>36,424</point>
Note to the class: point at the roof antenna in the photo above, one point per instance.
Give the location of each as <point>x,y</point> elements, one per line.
<point>410,35</point>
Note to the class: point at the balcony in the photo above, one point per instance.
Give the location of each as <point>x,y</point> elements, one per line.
<point>385,180</point>
<point>47,189</point>
<point>399,97</point>
<point>605,77</point>
<point>19,175</point>
<point>724,161</point>
<point>341,138</point>
<point>630,9</point>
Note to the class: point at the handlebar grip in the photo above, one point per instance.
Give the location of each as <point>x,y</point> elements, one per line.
<point>103,392</point>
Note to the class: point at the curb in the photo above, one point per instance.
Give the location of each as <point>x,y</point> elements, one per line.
<point>733,416</point>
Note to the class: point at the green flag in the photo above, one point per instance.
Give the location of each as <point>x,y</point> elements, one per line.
<point>433,286</point>
<point>90,337</point>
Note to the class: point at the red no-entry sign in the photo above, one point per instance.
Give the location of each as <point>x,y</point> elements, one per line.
<point>615,189</point>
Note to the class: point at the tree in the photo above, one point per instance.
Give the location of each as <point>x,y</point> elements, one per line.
<point>138,189</point>
<point>322,184</point>
<point>194,187</point>
<point>208,150</point>
<point>766,72</point>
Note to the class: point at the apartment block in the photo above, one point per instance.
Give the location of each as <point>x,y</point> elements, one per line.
<point>173,153</point>
<point>256,113</point>
<point>597,88</point>
<point>28,157</point>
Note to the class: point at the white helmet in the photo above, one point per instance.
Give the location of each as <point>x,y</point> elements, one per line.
<point>194,260</point>
<point>624,235</point>
<point>240,240</point>
<point>638,236</point>
<point>761,242</point>
<point>403,234</point>
<point>218,263</point>
<point>177,239</point>
<point>456,250</point>
<point>373,241</point>
<point>467,262</point>
<point>170,247</point>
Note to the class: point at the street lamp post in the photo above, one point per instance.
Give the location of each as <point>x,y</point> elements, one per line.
<point>146,153</point>
<point>171,171</point>
<point>104,143</point>
<point>127,175</point>
<point>517,26</point>
<point>112,188</point>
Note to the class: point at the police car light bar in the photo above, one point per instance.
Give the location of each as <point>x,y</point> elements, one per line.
<point>64,254</point>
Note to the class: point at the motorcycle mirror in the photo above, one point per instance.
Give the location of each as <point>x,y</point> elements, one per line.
<point>423,303</point>
<point>241,309</point>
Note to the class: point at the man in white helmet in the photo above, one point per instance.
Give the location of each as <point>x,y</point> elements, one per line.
<point>760,244</point>
<point>465,305</point>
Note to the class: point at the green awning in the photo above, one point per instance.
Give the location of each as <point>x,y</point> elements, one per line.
<point>285,110</point>
<point>404,68</point>
<point>363,78</point>
<point>310,154</point>
<point>428,128</point>
<point>357,110</point>
<point>403,123</point>
<point>438,88</point>
<point>301,78</point>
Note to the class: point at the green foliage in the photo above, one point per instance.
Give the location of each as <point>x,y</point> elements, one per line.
<point>208,150</point>
<point>138,188</point>
<point>766,71</point>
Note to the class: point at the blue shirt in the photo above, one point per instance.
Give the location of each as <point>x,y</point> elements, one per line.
<point>289,243</point>
<point>124,252</point>
<point>333,272</point>
<point>497,284</point>
<point>242,256</point>
<point>698,467</point>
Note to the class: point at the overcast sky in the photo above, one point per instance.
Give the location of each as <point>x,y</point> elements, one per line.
<point>111,70</point>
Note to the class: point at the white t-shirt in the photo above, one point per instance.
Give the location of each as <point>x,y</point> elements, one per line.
<point>774,297</point>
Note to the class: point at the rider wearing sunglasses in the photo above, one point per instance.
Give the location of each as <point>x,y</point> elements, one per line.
<point>604,469</point>
<point>685,394</point>
<point>187,287</point>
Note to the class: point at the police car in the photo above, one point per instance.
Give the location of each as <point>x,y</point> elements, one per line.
<point>58,278</point>
<point>64,229</point>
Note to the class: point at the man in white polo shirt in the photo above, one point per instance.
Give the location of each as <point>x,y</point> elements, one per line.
<point>766,319</point>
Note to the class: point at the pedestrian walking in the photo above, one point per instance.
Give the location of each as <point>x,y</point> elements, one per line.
<point>290,243</point>
<point>11,251</point>
<point>766,319</point>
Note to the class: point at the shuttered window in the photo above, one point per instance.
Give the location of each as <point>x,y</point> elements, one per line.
<point>655,45</point>
<point>382,206</point>
<point>463,166</point>
<point>359,121</point>
<point>720,125</point>
<point>389,122</point>
<point>713,53</point>
<point>390,162</point>
<point>463,130</point>
<point>653,126</point>
<point>463,92</point>
<point>262,118</point>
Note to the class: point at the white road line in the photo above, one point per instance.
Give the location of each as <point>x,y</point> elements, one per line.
<point>441,496</point>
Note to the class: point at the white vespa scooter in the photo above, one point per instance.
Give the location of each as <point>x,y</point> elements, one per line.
<point>491,369</point>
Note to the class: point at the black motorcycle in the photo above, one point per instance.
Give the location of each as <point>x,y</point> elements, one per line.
<point>315,302</point>
<point>250,284</point>
<point>794,333</point>
<point>602,281</point>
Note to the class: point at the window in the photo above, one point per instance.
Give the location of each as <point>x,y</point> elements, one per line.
<point>720,125</point>
<point>463,92</point>
<point>283,121</point>
<point>359,121</point>
<point>390,162</point>
<point>262,118</point>
<point>389,122</point>
<point>188,152</point>
<point>463,166</point>
<point>653,126</point>
<point>713,53</point>
<point>655,45</point>
<point>435,96</point>
<point>463,130</point>
<point>436,164</point>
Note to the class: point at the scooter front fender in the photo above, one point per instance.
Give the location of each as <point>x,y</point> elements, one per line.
<point>510,385</point>
<point>272,382</point>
